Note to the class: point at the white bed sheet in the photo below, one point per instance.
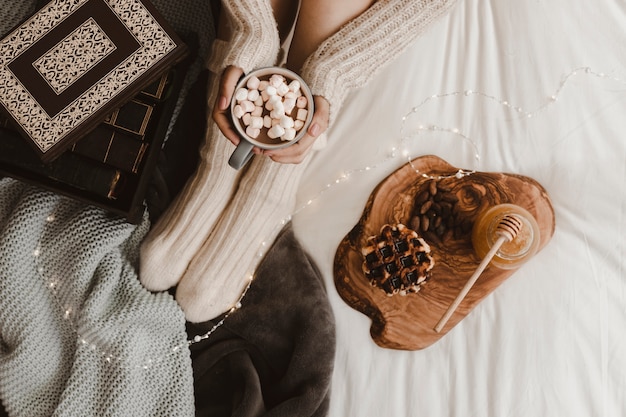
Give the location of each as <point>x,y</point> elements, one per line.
<point>550,341</point>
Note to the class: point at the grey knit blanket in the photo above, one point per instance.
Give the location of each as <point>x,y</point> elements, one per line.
<point>80,335</point>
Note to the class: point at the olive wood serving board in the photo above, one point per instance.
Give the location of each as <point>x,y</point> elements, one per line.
<point>407,321</point>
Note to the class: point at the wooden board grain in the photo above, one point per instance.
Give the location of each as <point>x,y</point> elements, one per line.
<point>407,322</point>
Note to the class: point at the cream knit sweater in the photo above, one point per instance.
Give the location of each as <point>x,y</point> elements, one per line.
<point>350,58</point>
<point>346,60</point>
<point>208,241</point>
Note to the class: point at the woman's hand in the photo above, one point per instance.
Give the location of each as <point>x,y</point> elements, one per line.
<point>293,154</point>
<point>221,110</point>
<point>296,153</point>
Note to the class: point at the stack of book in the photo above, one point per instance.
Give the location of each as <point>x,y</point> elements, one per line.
<point>87,90</point>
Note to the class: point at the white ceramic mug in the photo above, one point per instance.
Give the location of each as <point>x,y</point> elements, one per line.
<point>243,152</point>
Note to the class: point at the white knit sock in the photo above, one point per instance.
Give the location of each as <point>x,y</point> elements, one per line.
<point>221,269</point>
<point>183,228</point>
<point>174,241</point>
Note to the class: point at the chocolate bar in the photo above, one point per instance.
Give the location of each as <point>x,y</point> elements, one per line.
<point>112,148</point>
<point>155,91</point>
<point>132,117</point>
<point>68,173</point>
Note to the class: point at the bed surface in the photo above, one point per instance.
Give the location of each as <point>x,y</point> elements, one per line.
<point>534,88</point>
<point>550,340</point>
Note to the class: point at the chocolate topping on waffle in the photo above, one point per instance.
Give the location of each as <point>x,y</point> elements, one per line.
<point>397,260</point>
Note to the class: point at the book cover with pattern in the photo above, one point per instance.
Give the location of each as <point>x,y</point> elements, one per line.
<point>65,68</point>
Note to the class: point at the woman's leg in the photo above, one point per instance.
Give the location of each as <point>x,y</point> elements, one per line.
<point>181,231</point>
<point>220,269</point>
<point>285,12</point>
<point>186,232</point>
<point>317,20</point>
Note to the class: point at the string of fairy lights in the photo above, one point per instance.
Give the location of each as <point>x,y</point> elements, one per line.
<point>400,152</point>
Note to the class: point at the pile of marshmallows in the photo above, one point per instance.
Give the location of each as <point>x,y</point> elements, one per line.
<point>269,104</point>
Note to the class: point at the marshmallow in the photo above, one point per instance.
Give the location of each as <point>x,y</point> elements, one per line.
<point>253,83</point>
<point>276,80</point>
<point>263,85</point>
<point>256,122</point>
<point>279,108</point>
<point>253,95</point>
<point>298,124</point>
<point>294,85</point>
<point>302,113</point>
<point>275,132</point>
<point>277,114</point>
<point>241,94</point>
<point>258,111</point>
<point>275,99</point>
<point>286,122</point>
<point>267,122</point>
<point>270,90</point>
<point>282,89</point>
<point>272,101</point>
<point>290,134</point>
<point>289,104</point>
<point>301,102</point>
<point>247,106</point>
<point>259,101</point>
<point>246,118</point>
<point>238,111</point>
<point>253,132</point>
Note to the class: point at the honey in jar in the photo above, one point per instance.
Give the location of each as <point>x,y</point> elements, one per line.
<point>511,254</point>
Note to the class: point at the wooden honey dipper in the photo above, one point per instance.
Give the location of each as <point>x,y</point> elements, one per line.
<point>507,230</point>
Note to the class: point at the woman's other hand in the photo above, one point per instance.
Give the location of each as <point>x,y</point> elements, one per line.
<point>296,153</point>
<point>293,154</point>
<point>221,109</point>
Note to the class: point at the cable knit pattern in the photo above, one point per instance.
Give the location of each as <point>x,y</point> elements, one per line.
<point>219,270</point>
<point>183,229</point>
<point>80,335</point>
<point>180,232</point>
<point>254,39</point>
<point>352,56</point>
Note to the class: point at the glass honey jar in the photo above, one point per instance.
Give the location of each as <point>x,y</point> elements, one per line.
<point>511,254</point>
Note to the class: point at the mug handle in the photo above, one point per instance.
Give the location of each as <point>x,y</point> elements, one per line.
<point>241,155</point>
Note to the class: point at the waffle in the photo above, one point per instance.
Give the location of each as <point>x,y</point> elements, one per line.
<point>398,260</point>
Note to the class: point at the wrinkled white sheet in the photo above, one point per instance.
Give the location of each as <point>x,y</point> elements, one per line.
<point>550,341</point>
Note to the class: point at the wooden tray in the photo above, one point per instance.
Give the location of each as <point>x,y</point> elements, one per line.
<point>407,322</point>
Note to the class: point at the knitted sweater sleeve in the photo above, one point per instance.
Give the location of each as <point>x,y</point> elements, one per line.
<point>350,58</point>
<point>254,40</point>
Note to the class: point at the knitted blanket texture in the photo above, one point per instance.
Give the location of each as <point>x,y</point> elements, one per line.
<point>80,335</point>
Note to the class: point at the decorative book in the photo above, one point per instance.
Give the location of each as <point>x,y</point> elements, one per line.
<point>70,65</point>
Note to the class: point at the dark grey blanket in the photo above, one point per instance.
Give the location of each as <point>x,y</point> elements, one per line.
<point>274,357</point>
